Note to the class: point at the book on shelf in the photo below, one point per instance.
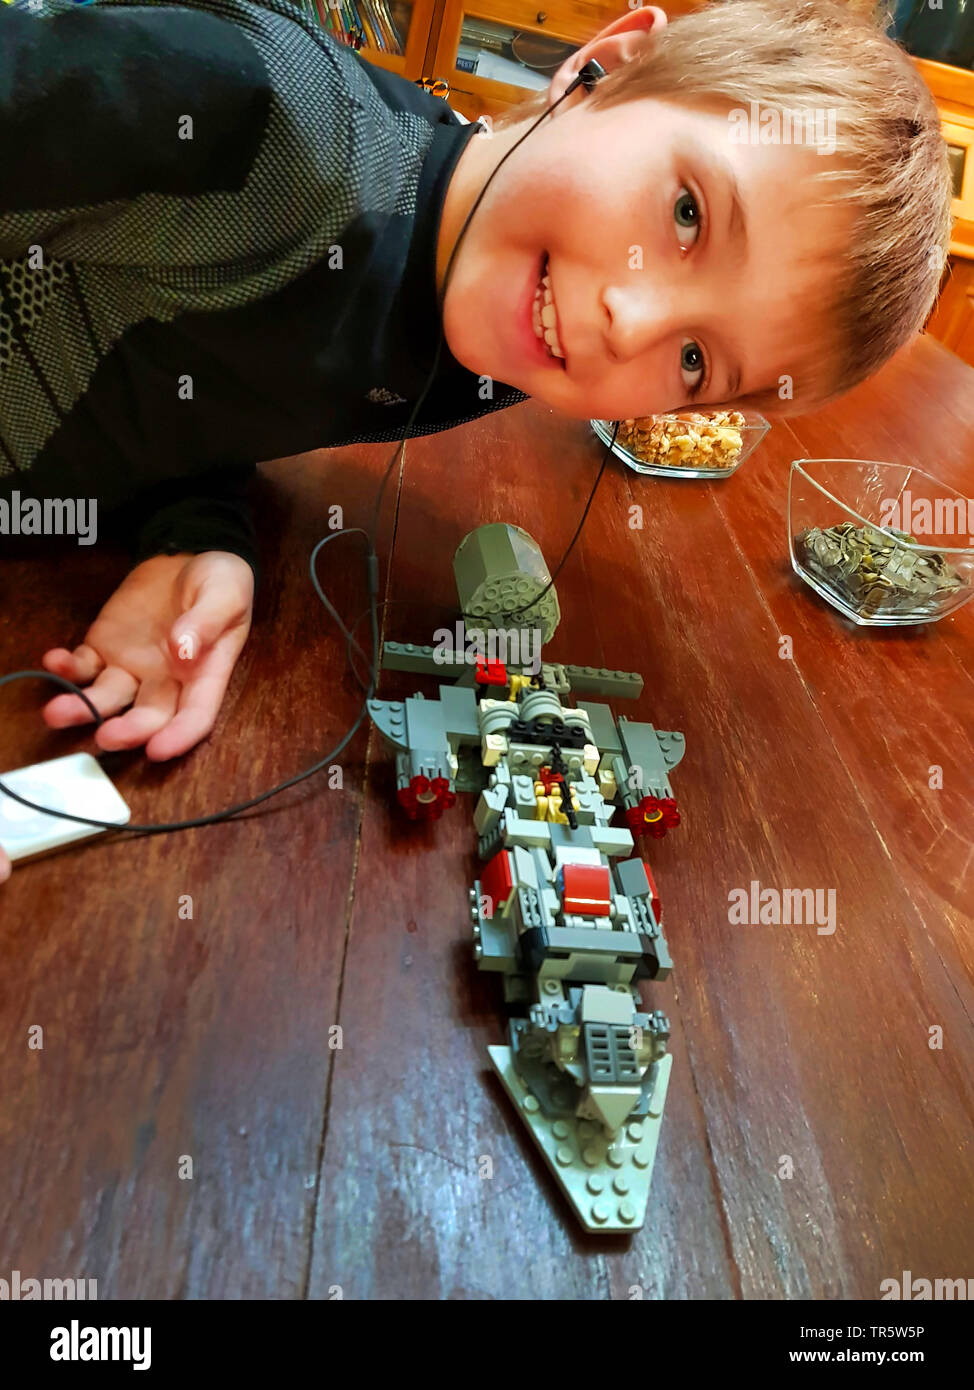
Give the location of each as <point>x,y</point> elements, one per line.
<point>373,34</point>
<point>346,19</point>
<point>330,19</point>
<point>393,33</point>
<point>373,24</point>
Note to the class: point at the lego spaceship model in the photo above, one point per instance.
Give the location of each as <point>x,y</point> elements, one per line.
<point>562,910</point>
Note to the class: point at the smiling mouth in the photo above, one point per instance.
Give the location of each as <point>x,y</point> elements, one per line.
<point>544,316</point>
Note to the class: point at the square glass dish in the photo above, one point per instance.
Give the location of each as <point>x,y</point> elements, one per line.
<point>686,443</point>
<point>885,543</point>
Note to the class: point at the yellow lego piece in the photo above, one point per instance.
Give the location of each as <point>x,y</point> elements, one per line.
<point>607,785</point>
<point>518,683</point>
<point>549,807</point>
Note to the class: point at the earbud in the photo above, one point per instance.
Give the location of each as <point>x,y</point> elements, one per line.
<point>587,77</point>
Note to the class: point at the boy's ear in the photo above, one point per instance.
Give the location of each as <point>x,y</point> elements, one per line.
<point>612,46</point>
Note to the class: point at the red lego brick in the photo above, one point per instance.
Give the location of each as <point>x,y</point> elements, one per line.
<point>587,889</point>
<point>653,893</point>
<point>497,880</point>
<point>491,673</point>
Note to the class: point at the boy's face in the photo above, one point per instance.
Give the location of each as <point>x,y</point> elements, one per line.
<point>661,283</point>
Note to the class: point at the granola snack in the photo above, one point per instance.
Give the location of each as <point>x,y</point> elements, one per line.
<point>687,439</point>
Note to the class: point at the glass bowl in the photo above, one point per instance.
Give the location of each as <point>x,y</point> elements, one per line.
<point>686,443</point>
<point>885,543</point>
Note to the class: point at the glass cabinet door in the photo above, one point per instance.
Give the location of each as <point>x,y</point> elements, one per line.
<point>507,49</point>
<point>505,53</point>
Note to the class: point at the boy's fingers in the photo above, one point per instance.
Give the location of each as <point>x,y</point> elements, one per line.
<point>5,867</point>
<point>80,666</point>
<point>198,709</point>
<point>154,706</point>
<point>218,606</point>
<point>111,692</point>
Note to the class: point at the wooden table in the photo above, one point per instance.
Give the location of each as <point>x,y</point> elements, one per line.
<point>213,1038</point>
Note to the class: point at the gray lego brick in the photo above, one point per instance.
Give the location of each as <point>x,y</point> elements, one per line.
<point>410,656</point>
<point>553,677</point>
<point>599,680</point>
<point>603,725</point>
<point>471,774</point>
<point>641,749</point>
<point>495,936</point>
<point>565,835</point>
<point>611,841</point>
<point>672,746</point>
<point>389,717</point>
<point>632,879</point>
<point>606,1181</point>
<point>460,713</point>
<point>593,941</point>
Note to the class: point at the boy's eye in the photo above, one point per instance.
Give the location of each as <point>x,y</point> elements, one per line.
<point>692,362</point>
<point>686,214</point>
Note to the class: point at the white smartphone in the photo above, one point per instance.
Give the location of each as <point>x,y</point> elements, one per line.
<point>76,784</point>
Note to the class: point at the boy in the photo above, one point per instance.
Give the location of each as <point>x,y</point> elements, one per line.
<point>223,237</point>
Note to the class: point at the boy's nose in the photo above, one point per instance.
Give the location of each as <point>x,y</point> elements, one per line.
<point>644,313</point>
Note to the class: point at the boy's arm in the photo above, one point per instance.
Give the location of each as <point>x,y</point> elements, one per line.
<point>102,104</point>
<point>94,105</point>
<point>208,511</point>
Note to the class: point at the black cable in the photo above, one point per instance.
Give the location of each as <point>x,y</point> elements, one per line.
<point>571,544</point>
<point>372,561</point>
<point>165,827</point>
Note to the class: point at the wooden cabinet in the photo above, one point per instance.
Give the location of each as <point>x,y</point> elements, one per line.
<point>492,53</point>
<point>953,90</point>
<point>952,322</point>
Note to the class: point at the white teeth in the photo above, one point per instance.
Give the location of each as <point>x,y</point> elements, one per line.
<point>545,317</point>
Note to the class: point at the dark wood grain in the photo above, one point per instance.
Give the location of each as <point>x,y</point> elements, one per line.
<point>166,1037</point>
<point>359,1167</point>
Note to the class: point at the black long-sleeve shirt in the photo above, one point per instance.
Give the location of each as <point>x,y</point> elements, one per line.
<point>218,237</point>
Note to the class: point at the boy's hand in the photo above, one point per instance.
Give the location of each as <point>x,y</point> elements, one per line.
<point>164,643</point>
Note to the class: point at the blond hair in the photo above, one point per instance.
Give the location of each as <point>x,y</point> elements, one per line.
<point>890,165</point>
